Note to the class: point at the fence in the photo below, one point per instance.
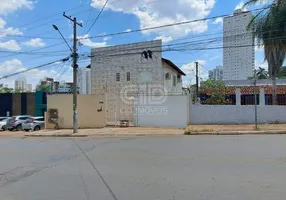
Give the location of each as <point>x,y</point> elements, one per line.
<point>248,96</point>
<point>241,113</point>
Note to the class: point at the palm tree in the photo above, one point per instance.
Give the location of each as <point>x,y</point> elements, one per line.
<point>261,73</point>
<point>269,27</point>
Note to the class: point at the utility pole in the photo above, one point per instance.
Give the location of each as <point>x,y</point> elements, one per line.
<point>75,67</point>
<point>255,99</point>
<point>197,81</point>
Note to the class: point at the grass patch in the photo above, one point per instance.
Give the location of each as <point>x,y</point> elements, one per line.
<point>256,129</point>
<point>195,132</point>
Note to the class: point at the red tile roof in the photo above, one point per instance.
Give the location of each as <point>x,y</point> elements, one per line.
<point>281,89</point>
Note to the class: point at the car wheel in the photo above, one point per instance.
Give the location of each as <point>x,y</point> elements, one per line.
<point>4,128</point>
<point>19,128</point>
<point>37,128</point>
<point>10,129</point>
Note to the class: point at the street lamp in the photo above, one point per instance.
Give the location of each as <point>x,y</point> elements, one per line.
<point>57,29</point>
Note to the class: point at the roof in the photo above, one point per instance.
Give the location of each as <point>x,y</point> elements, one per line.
<point>246,90</point>
<point>175,67</point>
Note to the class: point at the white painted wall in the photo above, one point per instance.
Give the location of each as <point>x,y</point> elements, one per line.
<point>235,114</point>
<point>168,83</point>
<point>171,113</point>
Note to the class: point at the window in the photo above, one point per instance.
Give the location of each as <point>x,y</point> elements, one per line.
<point>23,118</point>
<point>117,76</point>
<point>174,80</point>
<point>41,119</point>
<point>128,76</point>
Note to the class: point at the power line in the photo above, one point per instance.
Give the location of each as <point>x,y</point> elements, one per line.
<point>168,25</point>
<point>97,16</point>
<point>37,67</point>
<point>17,53</point>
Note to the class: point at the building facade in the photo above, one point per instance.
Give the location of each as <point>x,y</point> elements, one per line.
<point>84,80</point>
<point>20,84</point>
<point>122,72</point>
<point>238,47</point>
<point>216,74</point>
<point>29,88</point>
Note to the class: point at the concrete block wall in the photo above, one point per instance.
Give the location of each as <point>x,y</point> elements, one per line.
<point>108,61</point>
<point>236,114</point>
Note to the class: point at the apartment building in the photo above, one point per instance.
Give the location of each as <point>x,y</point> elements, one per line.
<point>84,80</point>
<point>238,46</point>
<point>216,74</point>
<point>20,84</point>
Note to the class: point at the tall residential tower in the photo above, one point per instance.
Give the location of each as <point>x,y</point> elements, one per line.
<point>238,46</point>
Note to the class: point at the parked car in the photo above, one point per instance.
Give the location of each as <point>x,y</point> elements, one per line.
<point>34,124</point>
<point>2,118</point>
<point>3,123</point>
<point>15,123</point>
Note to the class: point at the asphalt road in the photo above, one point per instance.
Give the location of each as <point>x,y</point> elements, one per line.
<point>144,168</point>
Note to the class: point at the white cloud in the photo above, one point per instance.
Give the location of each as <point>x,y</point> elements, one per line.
<point>128,30</point>
<point>9,6</point>
<point>262,64</point>
<point>218,20</point>
<point>33,76</point>
<point>8,31</point>
<point>10,45</point>
<point>259,4</point>
<point>164,38</point>
<point>241,6</point>
<point>10,66</point>
<point>87,42</point>
<point>35,42</point>
<point>157,14</point>
<point>106,38</point>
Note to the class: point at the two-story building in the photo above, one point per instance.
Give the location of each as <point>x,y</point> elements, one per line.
<point>123,72</point>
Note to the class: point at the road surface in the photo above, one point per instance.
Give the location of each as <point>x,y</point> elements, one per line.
<point>144,168</point>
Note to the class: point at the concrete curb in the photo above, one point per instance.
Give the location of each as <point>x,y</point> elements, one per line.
<point>54,135</point>
<point>239,133</point>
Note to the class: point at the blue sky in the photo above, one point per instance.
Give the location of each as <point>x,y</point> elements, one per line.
<point>26,24</point>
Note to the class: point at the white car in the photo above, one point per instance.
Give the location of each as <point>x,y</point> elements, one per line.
<point>3,123</point>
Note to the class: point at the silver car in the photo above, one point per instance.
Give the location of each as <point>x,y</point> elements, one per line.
<point>34,124</point>
<point>3,123</point>
<point>15,122</point>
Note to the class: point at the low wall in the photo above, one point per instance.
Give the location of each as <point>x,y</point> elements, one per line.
<point>172,112</point>
<point>236,114</point>
<point>91,110</point>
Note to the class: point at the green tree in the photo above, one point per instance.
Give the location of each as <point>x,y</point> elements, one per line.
<point>43,88</point>
<point>261,73</point>
<point>282,73</point>
<point>216,90</point>
<point>18,90</point>
<point>5,89</point>
<point>269,28</point>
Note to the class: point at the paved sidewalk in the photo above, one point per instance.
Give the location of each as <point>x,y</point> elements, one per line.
<point>244,127</point>
<point>108,131</point>
<point>138,131</point>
